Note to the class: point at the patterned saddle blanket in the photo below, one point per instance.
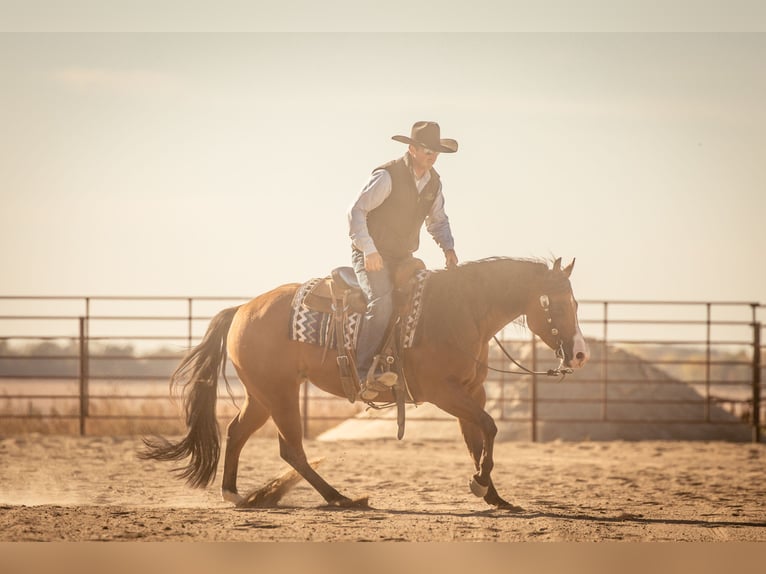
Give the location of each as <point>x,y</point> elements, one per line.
<point>317,327</point>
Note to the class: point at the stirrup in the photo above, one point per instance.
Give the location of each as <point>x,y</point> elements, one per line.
<point>383,382</point>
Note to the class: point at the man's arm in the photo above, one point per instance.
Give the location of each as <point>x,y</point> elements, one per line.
<point>373,194</point>
<point>437,225</point>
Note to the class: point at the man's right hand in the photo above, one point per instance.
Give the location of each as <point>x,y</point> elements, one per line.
<point>373,261</point>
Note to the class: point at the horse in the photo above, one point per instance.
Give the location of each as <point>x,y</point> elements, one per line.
<point>462,309</point>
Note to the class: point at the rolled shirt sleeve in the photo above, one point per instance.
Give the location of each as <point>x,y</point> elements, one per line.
<point>437,224</point>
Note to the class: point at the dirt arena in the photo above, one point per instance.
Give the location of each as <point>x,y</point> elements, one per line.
<point>64,488</point>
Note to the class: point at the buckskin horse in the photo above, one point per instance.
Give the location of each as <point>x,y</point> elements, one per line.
<point>462,309</point>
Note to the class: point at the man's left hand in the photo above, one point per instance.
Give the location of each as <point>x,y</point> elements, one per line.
<point>450,258</point>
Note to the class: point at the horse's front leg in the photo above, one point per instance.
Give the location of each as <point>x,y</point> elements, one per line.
<point>454,399</point>
<point>473,440</point>
<point>481,481</point>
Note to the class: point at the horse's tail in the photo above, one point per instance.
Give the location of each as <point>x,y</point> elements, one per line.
<point>198,376</point>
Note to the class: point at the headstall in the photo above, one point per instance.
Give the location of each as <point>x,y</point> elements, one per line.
<point>560,370</point>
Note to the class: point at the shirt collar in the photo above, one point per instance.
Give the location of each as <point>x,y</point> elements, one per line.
<point>419,183</point>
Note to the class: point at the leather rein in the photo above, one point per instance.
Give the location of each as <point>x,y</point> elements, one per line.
<point>559,371</point>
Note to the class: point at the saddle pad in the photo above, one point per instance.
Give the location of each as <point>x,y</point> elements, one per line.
<point>316,327</point>
<point>410,322</point>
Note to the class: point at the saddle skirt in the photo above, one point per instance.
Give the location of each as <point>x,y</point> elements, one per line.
<point>313,320</point>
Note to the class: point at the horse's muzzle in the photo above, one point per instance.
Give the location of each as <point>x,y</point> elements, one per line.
<point>580,352</point>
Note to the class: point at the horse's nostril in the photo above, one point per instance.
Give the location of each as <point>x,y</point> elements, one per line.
<point>580,356</point>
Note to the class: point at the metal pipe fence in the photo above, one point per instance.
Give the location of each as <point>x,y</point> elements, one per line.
<point>89,360</point>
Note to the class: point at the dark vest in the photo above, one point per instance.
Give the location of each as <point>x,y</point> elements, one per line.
<point>395,224</point>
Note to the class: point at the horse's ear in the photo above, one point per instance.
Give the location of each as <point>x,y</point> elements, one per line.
<point>568,268</point>
<point>557,264</point>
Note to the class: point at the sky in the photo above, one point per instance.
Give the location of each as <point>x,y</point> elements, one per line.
<point>223,164</point>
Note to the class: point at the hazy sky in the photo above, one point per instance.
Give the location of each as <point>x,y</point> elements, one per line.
<point>223,164</point>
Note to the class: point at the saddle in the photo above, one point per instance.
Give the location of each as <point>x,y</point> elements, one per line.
<point>341,290</point>
<point>340,295</point>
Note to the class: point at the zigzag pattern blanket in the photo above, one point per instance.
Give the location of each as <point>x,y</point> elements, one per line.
<point>317,328</point>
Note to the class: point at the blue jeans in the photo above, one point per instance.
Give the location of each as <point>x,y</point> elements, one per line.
<point>378,288</point>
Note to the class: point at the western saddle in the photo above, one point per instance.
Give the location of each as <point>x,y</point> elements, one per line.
<point>340,295</point>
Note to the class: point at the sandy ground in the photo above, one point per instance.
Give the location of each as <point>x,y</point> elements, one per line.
<point>64,488</point>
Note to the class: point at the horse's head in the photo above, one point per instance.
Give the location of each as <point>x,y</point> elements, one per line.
<point>552,316</point>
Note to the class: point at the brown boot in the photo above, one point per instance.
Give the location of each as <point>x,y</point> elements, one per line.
<point>383,382</point>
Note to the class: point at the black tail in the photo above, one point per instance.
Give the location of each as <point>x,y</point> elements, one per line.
<point>198,375</point>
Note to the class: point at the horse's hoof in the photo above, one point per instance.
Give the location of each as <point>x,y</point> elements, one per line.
<point>477,489</point>
<point>235,498</point>
<point>348,503</point>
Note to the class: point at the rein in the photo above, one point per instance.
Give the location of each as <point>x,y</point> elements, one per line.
<point>559,371</point>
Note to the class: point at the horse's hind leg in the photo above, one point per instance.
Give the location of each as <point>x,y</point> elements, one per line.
<point>252,417</point>
<point>287,417</point>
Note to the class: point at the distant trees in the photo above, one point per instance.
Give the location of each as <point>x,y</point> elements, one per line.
<point>61,358</point>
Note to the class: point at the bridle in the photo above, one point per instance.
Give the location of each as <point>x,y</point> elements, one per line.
<point>560,370</point>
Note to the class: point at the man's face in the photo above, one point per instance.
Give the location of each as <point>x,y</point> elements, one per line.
<point>423,158</point>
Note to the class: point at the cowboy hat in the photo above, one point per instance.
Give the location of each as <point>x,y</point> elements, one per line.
<point>427,134</point>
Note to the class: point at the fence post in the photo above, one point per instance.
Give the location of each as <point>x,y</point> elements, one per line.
<point>756,382</point>
<point>708,358</point>
<point>83,374</point>
<point>533,390</point>
<point>605,364</point>
<point>190,326</point>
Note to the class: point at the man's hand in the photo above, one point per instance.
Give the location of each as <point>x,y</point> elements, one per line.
<point>450,258</point>
<point>373,261</point>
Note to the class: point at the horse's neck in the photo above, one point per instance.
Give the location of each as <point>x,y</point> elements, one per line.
<point>470,304</point>
<point>506,294</point>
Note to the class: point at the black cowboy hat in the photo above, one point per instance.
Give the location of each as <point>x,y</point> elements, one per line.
<point>427,134</point>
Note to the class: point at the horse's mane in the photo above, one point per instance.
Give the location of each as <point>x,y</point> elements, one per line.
<point>457,299</point>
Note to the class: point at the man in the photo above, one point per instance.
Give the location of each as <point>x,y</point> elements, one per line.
<point>384,226</point>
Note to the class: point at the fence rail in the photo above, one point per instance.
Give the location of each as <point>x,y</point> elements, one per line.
<point>64,358</point>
